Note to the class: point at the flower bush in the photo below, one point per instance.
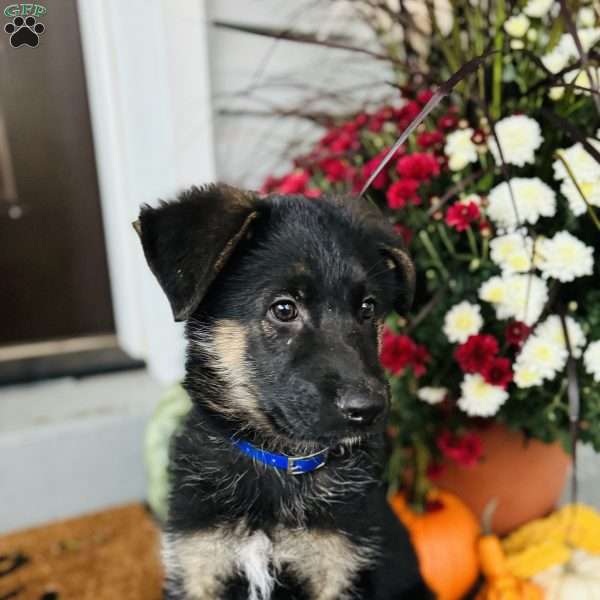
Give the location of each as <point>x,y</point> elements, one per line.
<point>497,196</point>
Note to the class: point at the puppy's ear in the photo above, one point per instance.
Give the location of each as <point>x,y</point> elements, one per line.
<point>398,260</point>
<point>188,241</point>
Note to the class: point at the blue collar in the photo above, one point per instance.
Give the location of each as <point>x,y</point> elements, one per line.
<point>294,465</point>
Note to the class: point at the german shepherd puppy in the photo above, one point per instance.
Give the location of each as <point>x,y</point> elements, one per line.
<point>284,299</point>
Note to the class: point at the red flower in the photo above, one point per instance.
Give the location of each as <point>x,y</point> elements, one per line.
<point>339,140</point>
<point>498,372</point>
<point>404,232</point>
<point>313,192</point>
<point>466,450</point>
<point>361,119</point>
<point>424,96</point>
<point>270,185</point>
<point>408,112</point>
<point>420,358</point>
<point>403,192</point>
<point>419,166</point>
<point>294,183</point>
<point>476,353</point>
<point>447,121</point>
<point>334,169</point>
<point>516,333</point>
<point>460,215</point>
<point>369,167</point>
<point>428,139</point>
<point>399,352</point>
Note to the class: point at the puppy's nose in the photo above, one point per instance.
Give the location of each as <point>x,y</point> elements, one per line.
<point>360,409</point>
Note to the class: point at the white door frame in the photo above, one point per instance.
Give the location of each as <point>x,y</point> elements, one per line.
<point>148,83</point>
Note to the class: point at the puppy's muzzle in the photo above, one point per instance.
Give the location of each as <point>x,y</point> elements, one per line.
<point>361,409</point>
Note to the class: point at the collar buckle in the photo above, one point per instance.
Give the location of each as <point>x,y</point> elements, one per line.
<point>298,465</point>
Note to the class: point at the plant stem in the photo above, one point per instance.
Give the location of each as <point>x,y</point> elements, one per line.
<point>433,253</point>
<point>590,209</point>
<point>445,239</point>
<point>472,242</point>
<point>421,486</point>
<point>497,69</point>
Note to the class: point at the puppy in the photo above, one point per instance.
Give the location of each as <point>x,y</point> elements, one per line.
<point>276,475</point>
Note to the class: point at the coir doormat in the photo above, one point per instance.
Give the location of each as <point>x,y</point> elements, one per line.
<point>105,556</point>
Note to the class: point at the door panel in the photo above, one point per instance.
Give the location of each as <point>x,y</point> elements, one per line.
<point>54,276</point>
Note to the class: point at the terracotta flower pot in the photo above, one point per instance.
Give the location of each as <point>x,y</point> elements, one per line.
<point>527,477</point>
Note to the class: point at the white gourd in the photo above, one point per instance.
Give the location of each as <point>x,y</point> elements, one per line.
<point>579,579</point>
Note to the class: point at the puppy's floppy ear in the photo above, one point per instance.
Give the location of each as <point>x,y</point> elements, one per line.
<point>397,259</point>
<point>188,241</point>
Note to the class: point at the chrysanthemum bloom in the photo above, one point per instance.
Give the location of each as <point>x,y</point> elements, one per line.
<point>479,398</point>
<point>516,333</point>
<point>461,321</point>
<point>591,360</point>
<point>403,192</point>
<point>519,137</point>
<point>565,258</point>
<point>460,215</point>
<point>460,149</point>
<point>432,395</point>
<point>531,199</point>
<point>498,372</point>
<point>476,353</point>
<point>466,449</point>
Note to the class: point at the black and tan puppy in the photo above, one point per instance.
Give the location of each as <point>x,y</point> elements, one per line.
<point>276,490</point>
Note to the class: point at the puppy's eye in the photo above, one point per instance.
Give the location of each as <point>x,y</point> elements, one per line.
<point>367,309</point>
<point>284,310</point>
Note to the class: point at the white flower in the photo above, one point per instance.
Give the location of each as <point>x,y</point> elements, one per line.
<point>479,398</point>
<point>513,252</point>
<point>590,191</point>
<point>537,8</point>
<point>532,199</point>
<point>461,321</point>
<point>459,149</point>
<point>526,376</point>
<point>432,395</point>
<point>516,26</point>
<point>552,330</point>
<point>520,297</point>
<point>556,93</point>
<point>519,137</point>
<point>581,79</point>
<point>555,60</point>
<point>586,16</point>
<point>543,356</point>
<point>564,257</point>
<point>591,360</point>
<point>583,165</point>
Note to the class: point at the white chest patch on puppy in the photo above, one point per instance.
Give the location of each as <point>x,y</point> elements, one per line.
<point>326,562</point>
<point>253,559</point>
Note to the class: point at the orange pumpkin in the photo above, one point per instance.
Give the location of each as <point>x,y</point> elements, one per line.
<point>445,539</point>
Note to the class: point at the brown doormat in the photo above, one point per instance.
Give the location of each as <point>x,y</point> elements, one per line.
<point>112,555</point>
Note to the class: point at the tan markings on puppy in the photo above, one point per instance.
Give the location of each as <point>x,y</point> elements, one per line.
<point>328,561</point>
<point>380,329</point>
<point>229,350</point>
<point>202,561</point>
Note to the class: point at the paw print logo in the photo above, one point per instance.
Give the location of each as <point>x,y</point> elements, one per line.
<point>24,32</point>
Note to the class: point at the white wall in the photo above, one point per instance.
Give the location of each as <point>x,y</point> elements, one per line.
<point>285,75</point>
<point>149,88</point>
